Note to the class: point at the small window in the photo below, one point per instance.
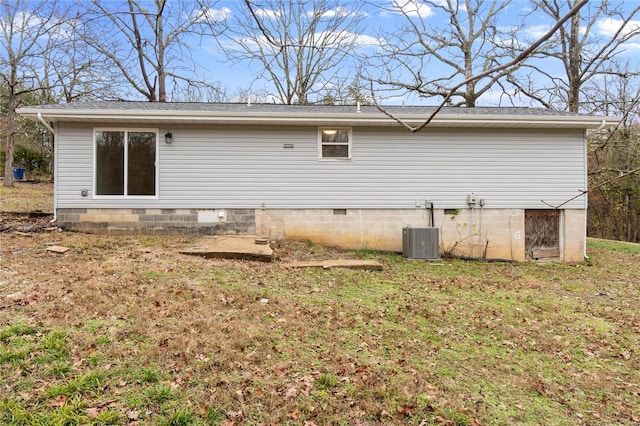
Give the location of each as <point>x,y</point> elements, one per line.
<point>335,143</point>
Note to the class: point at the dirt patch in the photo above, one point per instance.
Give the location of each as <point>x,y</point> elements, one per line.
<point>26,223</point>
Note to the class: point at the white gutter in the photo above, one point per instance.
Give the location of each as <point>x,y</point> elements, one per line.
<point>45,124</point>
<point>604,123</point>
<point>306,117</point>
<point>318,119</point>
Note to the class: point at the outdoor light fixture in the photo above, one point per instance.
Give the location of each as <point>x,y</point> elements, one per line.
<point>168,138</point>
<point>329,132</point>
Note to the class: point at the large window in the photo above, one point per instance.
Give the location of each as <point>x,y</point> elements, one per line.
<point>335,144</point>
<point>126,162</point>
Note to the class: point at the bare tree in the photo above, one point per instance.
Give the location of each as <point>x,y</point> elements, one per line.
<point>299,45</point>
<point>614,157</point>
<point>452,90</point>
<point>345,92</point>
<point>427,60</point>
<point>149,46</point>
<point>583,51</point>
<point>71,71</point>
<point>26,29</point>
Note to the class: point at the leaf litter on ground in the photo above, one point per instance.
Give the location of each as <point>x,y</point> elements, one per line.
<point>149,332</point>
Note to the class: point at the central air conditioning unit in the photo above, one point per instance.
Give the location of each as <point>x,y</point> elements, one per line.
<point>421,243</point>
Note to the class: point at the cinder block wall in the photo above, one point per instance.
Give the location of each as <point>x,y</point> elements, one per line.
<point>574,238</point>
<point>491,234</point>
<point>483,233</point>
<point>348,228</point>
<point>486,233</point>
<point>159,221</point>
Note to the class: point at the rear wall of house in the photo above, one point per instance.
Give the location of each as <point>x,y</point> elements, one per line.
<point>231,179</point>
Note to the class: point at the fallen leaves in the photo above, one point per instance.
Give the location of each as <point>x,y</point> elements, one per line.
<point>59,401</point>
<point>413,343</point>
<point>291,393</point>
<point>94,412</point>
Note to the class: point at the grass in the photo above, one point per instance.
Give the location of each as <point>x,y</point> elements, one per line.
<point>27,197</point>
<point>123,330</point>
<point>629,248</point>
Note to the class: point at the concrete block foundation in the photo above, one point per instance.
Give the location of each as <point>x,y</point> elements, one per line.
<point>475,233</point>
<point>159,221</point>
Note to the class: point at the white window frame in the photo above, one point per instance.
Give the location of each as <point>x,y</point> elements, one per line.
<point>320,144</point>
<point>126,131</point>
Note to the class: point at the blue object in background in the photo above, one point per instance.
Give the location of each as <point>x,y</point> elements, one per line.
<point>18,173</point>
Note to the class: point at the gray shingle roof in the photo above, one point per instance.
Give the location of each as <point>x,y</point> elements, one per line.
<point>243,108</point>
<point>186,113</point>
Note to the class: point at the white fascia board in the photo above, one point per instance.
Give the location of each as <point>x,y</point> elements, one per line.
<point>353,119</point>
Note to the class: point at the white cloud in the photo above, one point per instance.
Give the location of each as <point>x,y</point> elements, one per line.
<point>537,31</point>
<point>250,42</point>
<point>364,40</point>
<point>269,14</point>
<point>345,38</point>
<point>413,8</point>
<point>30,25</point>
<point>609,26</point>
<point>217,15</point>
<point>336,39</point>
<point>339,11</point>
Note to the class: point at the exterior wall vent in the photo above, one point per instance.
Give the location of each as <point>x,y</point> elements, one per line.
<point>420,243</point>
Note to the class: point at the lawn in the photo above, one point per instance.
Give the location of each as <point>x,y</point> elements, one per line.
<point>126,330</point>
<point>27,197</point>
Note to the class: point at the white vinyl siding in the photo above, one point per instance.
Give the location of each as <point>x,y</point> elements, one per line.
<point>248,167</point>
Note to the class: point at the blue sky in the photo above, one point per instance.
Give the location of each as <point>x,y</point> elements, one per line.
<point>241,76</point>
<point>379,19</point>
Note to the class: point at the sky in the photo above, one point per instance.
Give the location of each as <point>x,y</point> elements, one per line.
<point>380,21</point>
<point>240,76</point>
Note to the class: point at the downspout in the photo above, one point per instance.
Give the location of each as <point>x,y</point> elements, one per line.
<point>45,124</point>
<point>484,255</point>
<point>55,167</point>
<point>586,179</point>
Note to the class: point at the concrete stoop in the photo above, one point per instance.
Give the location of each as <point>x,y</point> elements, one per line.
<point>251,247</point>
<point>247,247</point>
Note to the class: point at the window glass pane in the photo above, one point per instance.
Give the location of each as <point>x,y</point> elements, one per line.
<point>141,169</point>
<point>335,136</point>
<point>335,151</point>
<point>335,143</point>
<point>110,163</point>
<point>342,136</point>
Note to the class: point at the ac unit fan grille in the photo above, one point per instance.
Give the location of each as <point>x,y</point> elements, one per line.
<point>420,243</point>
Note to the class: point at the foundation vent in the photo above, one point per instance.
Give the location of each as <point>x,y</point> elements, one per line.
<point>420,243</point>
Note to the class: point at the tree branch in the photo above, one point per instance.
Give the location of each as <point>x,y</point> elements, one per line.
<point>586,191</point>
<point>523,55</point>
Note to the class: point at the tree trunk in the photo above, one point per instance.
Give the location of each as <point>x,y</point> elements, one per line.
<point>11,118</point>
<point>8,162</point>
<point>575,49</point>
<point>162,76</point>
<point>469,96</point>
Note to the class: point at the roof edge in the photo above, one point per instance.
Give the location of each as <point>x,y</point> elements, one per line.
<point>312,118</point>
